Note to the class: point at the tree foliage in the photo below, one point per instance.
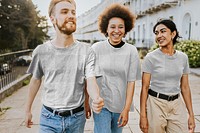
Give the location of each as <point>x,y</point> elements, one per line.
<point>21,25</point>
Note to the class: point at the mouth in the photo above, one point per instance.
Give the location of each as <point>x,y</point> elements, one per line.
<point>160,41</point>
<point>116,35</point>
<point>70,22</point>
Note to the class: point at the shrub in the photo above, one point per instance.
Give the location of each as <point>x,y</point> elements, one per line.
<point>190,47</point>
<point>153,47</point>
<point>142,53</point>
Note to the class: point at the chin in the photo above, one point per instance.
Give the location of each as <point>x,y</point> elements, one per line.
<point>162,45</point>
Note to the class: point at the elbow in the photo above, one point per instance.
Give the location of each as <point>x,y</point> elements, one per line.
<point>185,89</point>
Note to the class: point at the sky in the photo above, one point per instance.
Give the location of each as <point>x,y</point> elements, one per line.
<point>81,6</point>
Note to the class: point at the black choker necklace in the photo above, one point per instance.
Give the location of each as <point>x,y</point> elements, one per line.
<point>118,45</point>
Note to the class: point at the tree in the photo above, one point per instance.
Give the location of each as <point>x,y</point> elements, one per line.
<point>21,25</point>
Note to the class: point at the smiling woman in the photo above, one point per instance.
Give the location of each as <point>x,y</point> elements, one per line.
<point>117,68</point>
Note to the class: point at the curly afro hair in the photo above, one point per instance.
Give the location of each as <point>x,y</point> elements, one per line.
<point>116,10</point>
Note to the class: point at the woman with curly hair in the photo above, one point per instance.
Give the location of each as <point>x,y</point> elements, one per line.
<point>117,68</point>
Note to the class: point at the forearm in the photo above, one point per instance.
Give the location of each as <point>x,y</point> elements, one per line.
<point>146,77</point>
<point>86,97</point>
<point>188,100</point>
<point>185,90</point>
<point>92,88</point>
<point>33,89</point>
<point>129,95</point>
<point>143,101</point>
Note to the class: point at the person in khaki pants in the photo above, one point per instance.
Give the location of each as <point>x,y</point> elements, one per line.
<point>164,79</point>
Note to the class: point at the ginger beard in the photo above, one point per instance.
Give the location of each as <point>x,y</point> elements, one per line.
<point>67,27</point>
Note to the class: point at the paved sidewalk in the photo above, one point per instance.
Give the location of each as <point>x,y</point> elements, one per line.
<point>12,121</point>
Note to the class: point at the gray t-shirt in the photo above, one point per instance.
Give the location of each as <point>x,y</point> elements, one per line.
<point>114,68</point>
<point>64,71</point>
<point>166,71</point>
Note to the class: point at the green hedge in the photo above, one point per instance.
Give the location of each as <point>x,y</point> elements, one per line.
<point>190,47</point>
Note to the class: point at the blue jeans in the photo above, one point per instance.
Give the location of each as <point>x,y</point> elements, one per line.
<point>106,122</point>
<point>51,123</point>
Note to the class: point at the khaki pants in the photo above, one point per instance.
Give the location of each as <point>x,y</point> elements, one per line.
<point>166,116</point>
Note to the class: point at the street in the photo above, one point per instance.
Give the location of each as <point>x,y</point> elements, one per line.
<point>12,121</point>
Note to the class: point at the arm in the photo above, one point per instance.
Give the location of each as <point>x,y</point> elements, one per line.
<point>123,118</point>
<point>185,90</point>
<point>143,101</point>
<point>93,91</point>
<point>33,89</point>
<point>86,104</point>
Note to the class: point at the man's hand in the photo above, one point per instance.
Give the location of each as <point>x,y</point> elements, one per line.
<point>28,120</point>
<point>97,105</point>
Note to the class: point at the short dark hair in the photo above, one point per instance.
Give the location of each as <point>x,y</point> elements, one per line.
<point>169,24</point>
<point>116,10</point>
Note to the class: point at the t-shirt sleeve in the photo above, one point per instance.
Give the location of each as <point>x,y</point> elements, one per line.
<point>97,62</point>
<point>186,69</point>
<point>90,64</point>
<point>35,66</point>
<point>134,68</point>
<point>147,65</point>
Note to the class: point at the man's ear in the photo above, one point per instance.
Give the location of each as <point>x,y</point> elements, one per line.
<point>53,20</point>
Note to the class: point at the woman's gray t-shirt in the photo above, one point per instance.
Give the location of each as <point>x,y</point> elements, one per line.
<point>166,71</point>
<point>114,68</point>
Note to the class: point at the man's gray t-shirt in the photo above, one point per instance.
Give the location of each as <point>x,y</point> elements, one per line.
<point>166,71</point>
<point>114,68</point>
<point>64,71</point>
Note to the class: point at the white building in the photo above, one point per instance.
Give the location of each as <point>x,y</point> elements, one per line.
<point>185,13</point>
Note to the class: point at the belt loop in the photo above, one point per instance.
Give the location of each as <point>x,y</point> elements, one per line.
<point>157,95</point>
<point>71,112</point>
<point>54,112</point>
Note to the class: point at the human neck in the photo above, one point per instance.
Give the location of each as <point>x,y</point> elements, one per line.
<point>168,50</point>
<point>63,41</point>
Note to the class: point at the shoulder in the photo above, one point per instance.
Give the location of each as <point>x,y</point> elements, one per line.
<point>182,54</point>
<point>84,48</point>
<point>153,54</point>
<point>84,44</point>
<point>41,48</point>
<point>99,44</point>
<point>131,47</point>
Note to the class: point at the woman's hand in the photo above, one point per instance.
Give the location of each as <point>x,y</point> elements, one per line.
<point>123,118</point>
<point>87,110</point>
<point>144,124</point>
<point>191,124</point>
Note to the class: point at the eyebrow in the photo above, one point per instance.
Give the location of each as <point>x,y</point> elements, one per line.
<point>67,9</point>
<point>161,29</point>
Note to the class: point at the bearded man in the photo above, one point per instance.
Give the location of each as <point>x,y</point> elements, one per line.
<point>66,65</point>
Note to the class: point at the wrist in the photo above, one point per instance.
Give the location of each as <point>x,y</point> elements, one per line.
<point>191,115</point>
<point>143,116</point>
<point>126,109</point>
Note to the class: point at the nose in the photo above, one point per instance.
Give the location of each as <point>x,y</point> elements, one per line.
<point>71,15</point>
<point>116,29</point>
<point>158,34</point>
